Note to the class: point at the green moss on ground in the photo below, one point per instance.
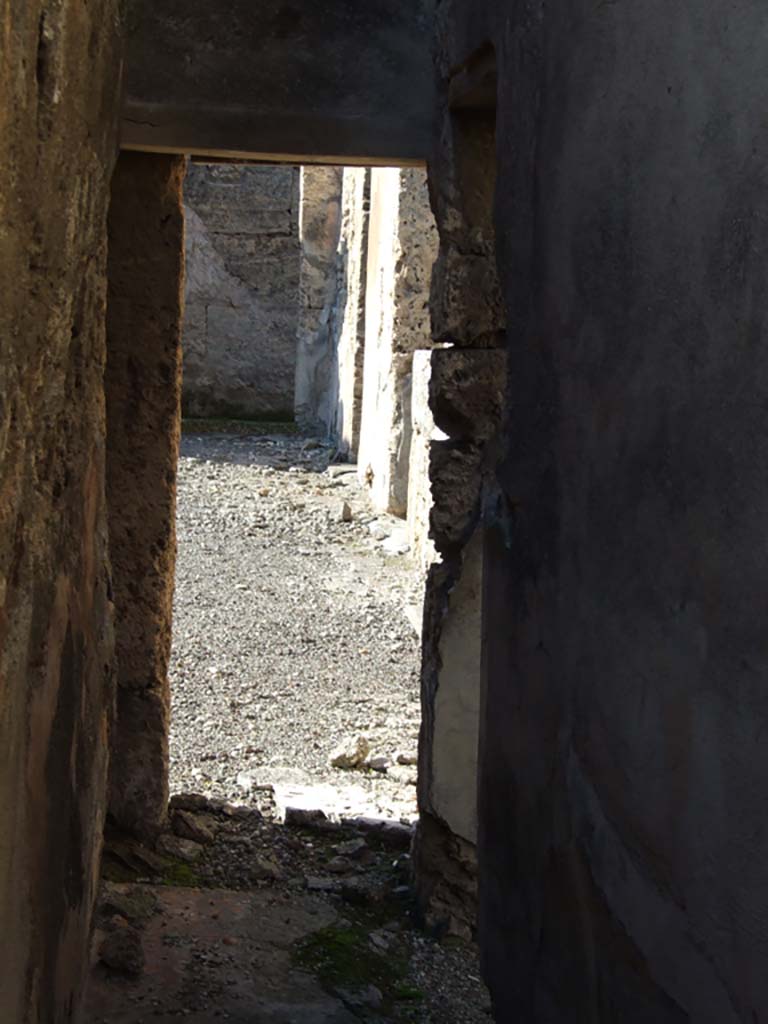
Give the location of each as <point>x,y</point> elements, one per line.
<point>115,871</point>
<point>132,863</point>
<point>343,960</point>
<point>181,874</point>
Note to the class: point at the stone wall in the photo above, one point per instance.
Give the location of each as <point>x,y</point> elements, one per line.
<point>622,849</point>
<point>368,244</point>
<point>401,251</point>
<point>347,320</point>
<point>319,226</point>
<point>143,397</point>
<point>241,316</point>
<point>466,388</point>
<point>466,392</point>
<point>290,81</point>
<point>58,107</point>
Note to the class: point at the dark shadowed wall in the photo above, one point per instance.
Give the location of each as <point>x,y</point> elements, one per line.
<point>143,391</point>
<point>623,825</point>
<point>341,81</point>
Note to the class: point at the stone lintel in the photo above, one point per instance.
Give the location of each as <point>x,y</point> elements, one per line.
<point>299,82</point>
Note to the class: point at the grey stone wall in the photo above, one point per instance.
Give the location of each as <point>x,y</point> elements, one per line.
<point>242,258</point>
<point>319,226</point>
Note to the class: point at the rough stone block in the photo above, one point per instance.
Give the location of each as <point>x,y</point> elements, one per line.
<point>467,306</point>
<point>402,246</point>
<point>143,399</point>
<point>456,472</point>
<point>467,390</point>
<point>241,291</point>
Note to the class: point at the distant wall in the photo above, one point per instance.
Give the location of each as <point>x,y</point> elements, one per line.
<point>368,242</point>
<point>242,279</point>
<point>319,227</point>
<point>402,247</point>
<point>347,320</point>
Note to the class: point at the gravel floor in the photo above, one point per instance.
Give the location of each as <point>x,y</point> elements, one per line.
<point>293,629</point>
<point>293,633</point>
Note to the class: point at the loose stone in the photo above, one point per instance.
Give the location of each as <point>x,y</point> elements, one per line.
<point>351,753</point>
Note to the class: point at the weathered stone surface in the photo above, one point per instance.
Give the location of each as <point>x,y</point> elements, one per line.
<point>450,697</point>
<point>329,381</point>
<point>121,949</point>
<point>623,859</point>
<point>456,481</point>
<point>58,107</point>
<point>186,850</point>
<point>348,312</point>
<point>446,867</point>
<point>319,226</point>
<point>143,394</point>
<point>365,308</point>
<point>242,279</point>
<point>423,433</point>
<point>467,389</point>
<point>200,828</point>
<point>351,753</point>
<point>470,298</point>
<point>341,81</point>
<point>401,250</point>
<point>466,301</point>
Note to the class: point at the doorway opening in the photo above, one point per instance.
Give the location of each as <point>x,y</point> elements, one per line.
<point>303,548</point>
<point>295,673</point>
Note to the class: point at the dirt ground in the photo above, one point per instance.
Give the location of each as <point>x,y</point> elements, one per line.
<point>281,892</point>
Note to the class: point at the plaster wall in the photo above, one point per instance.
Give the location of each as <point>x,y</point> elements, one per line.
<point>348,312</point>
<point>319,227</point>
<point>622,847</point>
<point>423,433</point>
<point>339,82</point>
<point>453,795</point>
<point>58,122</point>
<point>467,378</point>
<point>401,250</point>
<point>242,283</point>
